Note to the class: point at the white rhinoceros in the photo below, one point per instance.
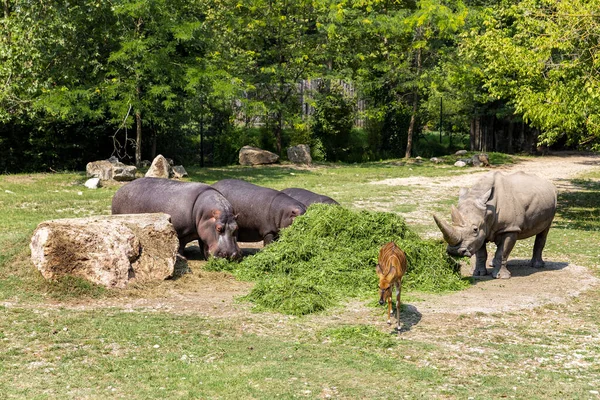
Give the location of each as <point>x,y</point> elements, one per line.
<point>500,208</point>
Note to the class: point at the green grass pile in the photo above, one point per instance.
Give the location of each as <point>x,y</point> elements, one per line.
<point>329,255</point>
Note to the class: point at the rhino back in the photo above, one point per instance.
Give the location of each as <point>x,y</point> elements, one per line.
<point>520,202</point>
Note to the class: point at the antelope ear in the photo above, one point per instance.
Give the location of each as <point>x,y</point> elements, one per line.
<point>378,269</point>
<point>392,271</point>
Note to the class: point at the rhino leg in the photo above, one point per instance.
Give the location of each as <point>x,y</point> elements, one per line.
<point>480,260</point>
<point>540,242</point>
<point>505,245</point>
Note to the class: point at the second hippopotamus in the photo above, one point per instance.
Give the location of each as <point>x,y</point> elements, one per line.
<point>198,211</point>
<point>307,197</point>
<point>262,212</point>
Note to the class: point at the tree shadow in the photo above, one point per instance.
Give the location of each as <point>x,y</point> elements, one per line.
<point>579,208</point>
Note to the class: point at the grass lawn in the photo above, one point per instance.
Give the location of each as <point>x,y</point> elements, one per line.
<point>54,345</point>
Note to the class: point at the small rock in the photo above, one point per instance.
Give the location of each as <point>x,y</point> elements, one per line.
<point>435,160</point>
<point>93,183</point>
<point>460,153</point>
<point>460,163</point>
<point>9,191</point>
<point>179,172</point>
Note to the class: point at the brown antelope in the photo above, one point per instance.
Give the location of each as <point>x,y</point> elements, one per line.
<point>391,267</point>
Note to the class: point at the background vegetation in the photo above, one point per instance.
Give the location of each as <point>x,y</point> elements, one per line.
<point>196,80</point>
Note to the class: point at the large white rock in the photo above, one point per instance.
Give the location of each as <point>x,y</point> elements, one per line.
<point>160,168</point>
<point>110,250</point>
<point>254,156</point>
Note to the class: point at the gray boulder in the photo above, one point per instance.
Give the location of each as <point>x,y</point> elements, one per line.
<point>111,251</point>
<point>460,153</point>
<point>299,154</point>
<point>110,169</point>
<point>460,163</point>
<point>178,172</point>
<point>254,156</point>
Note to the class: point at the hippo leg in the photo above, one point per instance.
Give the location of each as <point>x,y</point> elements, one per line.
<point>505,245</point>
<point>269,238</point>
<point>540,242</point>
<point>480,260</point>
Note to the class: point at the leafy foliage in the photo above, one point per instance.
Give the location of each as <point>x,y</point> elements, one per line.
<point>329,254</point>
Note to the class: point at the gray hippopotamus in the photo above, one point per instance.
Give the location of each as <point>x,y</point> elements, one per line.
<point>198,211</point>
<point>307,197</point>
<point>262,212</point>
<point>502,209</point>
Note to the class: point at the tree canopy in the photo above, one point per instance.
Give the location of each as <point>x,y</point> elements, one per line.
<point>87,78</point>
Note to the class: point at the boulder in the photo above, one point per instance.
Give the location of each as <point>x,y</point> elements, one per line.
<point>254,156</point>
<point>102,170</point>
<point>111,250</point>
<point>160,168</point>
<point>484,159</point>
<point>460,163</point>
<point>460,153</point>
<point>299,154</point>
<point>178,172</point>
<point>110,169</point>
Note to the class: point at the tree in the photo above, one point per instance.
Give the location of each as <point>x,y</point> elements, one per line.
<point>270,46</point>
<point>542,57</point>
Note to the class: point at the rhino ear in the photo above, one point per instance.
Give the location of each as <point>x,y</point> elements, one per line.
<point>457,219</point>
<point>482,200</point>
<point>462,193</point>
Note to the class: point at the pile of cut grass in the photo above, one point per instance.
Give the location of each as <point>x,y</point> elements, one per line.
<point>329,254</point>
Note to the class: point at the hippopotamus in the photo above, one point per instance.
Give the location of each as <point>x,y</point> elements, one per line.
<point>262,212</point>
<point>307,197</point>
<point>197,210</point>
<point>502,209</point>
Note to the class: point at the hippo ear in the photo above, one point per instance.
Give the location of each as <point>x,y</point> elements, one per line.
<point>235,217</point>
<point>482,200</point>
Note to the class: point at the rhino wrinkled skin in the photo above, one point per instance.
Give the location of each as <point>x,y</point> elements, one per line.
<point>502,209</point>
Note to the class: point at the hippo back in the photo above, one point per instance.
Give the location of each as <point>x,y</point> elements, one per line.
<point>307,197</point>
<point>260,211</point>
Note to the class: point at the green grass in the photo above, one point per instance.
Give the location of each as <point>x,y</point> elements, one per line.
<point>52,349</point>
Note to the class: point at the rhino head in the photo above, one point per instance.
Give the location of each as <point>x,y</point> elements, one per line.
<point>470,224</point>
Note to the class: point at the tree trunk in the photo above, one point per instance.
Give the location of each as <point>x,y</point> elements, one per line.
<point>278,129</point>
<point>138,139</point>
<point>413,117</point>
<point>411,126</point>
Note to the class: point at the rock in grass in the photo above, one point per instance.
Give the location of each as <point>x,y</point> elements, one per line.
<point>111,251</point>
<point>328,255</point>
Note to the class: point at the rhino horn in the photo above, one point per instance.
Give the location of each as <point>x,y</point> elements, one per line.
<point>451,236</point>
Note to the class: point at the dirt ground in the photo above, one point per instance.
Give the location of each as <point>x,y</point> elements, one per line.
<point>214,294</point>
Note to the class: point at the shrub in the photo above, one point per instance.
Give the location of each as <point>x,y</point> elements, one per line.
<point>329,254</point>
